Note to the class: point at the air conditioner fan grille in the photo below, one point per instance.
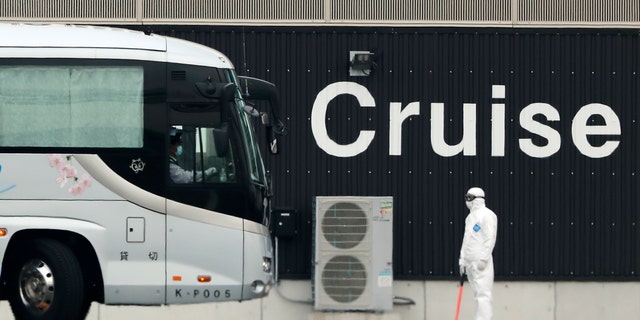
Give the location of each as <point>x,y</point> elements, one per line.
<point>344,278</point>
<point>344,225</point>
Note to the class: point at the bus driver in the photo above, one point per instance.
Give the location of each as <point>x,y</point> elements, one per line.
<point>176,172</point>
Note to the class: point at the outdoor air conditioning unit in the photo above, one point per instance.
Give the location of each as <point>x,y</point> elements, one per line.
<point>353,253</point>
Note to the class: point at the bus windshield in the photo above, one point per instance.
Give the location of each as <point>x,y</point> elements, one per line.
<point>256,167</point>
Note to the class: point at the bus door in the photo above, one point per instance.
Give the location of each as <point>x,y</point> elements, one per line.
<point>204,241</point>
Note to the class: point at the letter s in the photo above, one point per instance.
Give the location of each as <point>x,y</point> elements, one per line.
<point>552,136</point>
<point>319,112</point>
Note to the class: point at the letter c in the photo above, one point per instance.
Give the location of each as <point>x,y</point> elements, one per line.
<point>319,112</point>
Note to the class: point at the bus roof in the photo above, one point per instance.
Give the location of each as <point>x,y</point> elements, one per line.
<point>91,42</point>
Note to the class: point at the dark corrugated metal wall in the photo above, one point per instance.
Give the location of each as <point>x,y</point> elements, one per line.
<point>566,216</point>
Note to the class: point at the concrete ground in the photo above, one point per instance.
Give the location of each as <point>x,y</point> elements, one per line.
<point>434,300</point>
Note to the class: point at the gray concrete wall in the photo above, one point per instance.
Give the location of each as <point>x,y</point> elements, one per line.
<point>434,300</point>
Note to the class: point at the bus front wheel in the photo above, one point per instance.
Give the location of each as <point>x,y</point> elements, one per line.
<point>46,282</point>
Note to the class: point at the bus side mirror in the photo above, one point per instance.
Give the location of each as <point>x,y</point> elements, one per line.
<point>261,90</point>
<point>272,139</point>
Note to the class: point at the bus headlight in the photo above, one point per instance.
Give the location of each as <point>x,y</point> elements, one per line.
<point>266,264</point>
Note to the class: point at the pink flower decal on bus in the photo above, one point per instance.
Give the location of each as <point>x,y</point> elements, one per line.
<point>68,172</point>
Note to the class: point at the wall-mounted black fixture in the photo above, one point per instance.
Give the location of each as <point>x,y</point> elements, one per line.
<point>360,63</point>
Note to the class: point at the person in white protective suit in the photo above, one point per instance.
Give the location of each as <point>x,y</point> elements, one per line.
<point>476,261</point>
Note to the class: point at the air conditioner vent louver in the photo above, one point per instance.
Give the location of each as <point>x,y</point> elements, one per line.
<point>344,278</point>
<point>344,225</point>
<point>352,253</point>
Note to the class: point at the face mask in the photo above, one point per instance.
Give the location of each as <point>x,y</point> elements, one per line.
<point>179,151</point>
<point>468,203</point>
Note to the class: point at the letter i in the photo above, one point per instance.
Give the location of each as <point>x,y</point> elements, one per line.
<point>497,121</point>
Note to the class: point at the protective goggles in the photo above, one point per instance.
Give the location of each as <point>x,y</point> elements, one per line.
<point>470,197</point>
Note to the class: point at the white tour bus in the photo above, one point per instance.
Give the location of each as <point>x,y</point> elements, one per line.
<point>129,172</point>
